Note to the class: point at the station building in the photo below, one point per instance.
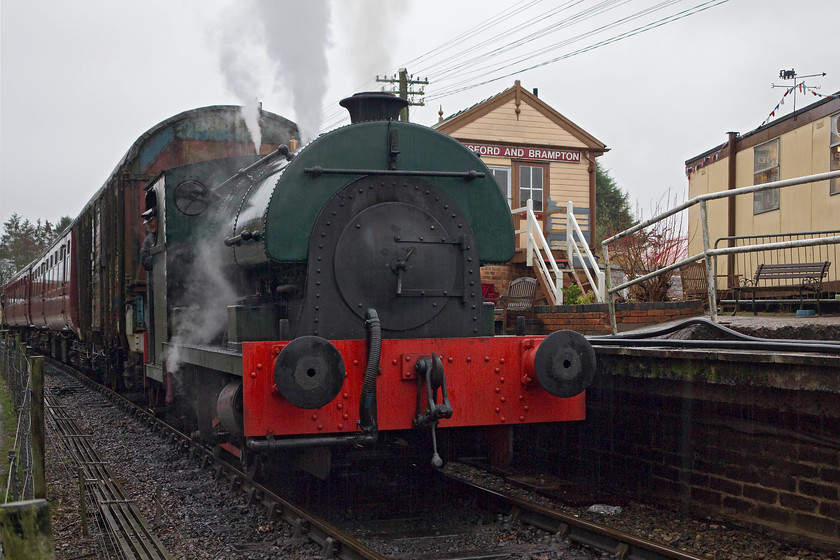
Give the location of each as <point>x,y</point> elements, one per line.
<point>534,152</point>
<point>805,142</point>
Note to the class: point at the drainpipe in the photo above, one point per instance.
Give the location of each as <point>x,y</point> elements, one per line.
<point>730,259</point>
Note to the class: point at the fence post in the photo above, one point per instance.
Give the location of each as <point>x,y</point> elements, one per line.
<point>608,282</point>
<point>710,276</point>
<point>36,415</point>
<point>25,530</point>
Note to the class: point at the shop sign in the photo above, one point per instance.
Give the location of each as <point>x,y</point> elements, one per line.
<point>544,154</point>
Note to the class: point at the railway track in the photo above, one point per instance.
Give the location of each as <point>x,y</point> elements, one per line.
<point>513,515</point>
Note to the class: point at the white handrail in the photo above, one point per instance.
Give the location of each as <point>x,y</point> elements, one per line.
<point>575,239</point>
<point>536,242</point>
<point>574,236</point>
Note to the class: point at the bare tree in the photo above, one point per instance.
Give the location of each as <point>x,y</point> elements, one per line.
<point>653,248</point>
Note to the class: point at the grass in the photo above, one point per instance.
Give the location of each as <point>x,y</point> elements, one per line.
<point>8,425</point>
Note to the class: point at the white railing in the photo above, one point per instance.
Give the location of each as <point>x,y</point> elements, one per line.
<point>536,242</point>
<point>546,265</point>
<point>709,254</point>
<point>576,240</point>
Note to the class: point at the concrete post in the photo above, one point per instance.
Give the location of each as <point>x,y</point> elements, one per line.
<point>25,530</point>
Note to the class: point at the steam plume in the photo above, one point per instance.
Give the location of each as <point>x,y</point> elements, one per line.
<point>300,55</point>
<point>209,294</point>
<point>286,41</point>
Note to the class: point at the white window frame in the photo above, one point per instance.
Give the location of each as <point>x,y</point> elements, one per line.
<point>538,202</point>
<point>766,171</point>
<point>506,189</point>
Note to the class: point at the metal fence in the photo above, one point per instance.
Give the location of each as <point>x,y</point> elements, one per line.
<point>15,368</point>
<point>743,265</point>
<point>709,254</point>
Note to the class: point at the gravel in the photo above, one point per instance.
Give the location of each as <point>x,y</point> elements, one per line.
<point>203,519</point>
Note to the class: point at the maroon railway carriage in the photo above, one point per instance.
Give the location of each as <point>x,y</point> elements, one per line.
<point>16,313</point>
<point>84,299</point>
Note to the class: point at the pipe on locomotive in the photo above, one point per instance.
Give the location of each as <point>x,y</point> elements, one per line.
<point>367,403</point>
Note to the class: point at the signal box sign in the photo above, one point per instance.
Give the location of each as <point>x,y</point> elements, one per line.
<point>517,152</point>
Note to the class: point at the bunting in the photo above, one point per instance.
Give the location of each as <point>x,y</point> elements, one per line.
<point>801,88</point>
<point>779,104</point>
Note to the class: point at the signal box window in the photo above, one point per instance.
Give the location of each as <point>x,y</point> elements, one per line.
<point>766,170</point>
<point>502,176</point>
<point>834,146</point>
<point>531,186</point>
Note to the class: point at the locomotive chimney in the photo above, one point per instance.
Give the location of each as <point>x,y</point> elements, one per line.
<point>373,106</point>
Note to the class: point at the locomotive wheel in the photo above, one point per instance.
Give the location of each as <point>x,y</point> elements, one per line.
<point>565,363</point>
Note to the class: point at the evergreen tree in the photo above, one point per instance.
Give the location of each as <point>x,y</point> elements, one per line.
<point>612,206</point>
<point>22,241</point>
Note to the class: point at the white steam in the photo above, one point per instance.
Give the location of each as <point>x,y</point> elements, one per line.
<point>271,50</point>
<point>240,57</point>
<point>209,293</point>
<point>373,37</point>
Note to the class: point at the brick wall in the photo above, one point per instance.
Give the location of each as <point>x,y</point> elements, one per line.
<point>501,275</point>
<point>595,319</point>
<point>758,459</point>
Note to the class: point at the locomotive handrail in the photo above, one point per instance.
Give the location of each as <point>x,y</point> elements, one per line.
<point>317,171</point>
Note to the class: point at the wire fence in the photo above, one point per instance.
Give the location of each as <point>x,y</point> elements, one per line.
<point>15,369</point>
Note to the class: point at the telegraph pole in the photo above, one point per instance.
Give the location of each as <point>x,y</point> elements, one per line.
<point>404,83</point>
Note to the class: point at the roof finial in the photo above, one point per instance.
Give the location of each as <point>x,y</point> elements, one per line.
<point>440,114</point>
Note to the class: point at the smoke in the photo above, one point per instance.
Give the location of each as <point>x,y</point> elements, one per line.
<point>278,48</point>
<point>300,53</point>
<point>374,35</point>
<point>240,57</point>
<point>209,293</point>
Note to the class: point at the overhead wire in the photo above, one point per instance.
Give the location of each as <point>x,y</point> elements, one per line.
<point>465,85</point>
<point>498,57</point>
<point>582,16</point>
<point>333,115</point>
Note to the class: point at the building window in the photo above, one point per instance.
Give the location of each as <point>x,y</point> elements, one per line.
<point>531,186</point>
<point>502,175</point>
<point>834,145</point>
<point>766,170</point>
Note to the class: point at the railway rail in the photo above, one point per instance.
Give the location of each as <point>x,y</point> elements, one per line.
<point>130,530</point>
<point>600,537</point>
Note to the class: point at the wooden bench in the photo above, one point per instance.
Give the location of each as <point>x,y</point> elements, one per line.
<point>694,282</point>
<point>518,301</point>
<point>804,277</point>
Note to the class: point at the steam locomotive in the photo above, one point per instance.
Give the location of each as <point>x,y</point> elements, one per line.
<point>308,300</point>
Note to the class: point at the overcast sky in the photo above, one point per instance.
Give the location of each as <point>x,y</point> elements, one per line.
<point>82,80</point>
